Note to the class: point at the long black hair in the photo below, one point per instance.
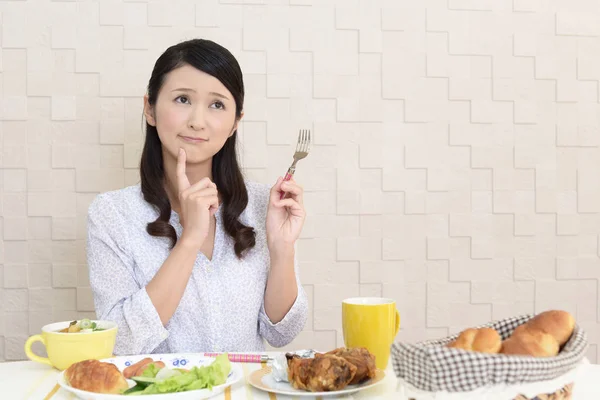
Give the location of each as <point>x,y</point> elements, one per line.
<point>215,60</point>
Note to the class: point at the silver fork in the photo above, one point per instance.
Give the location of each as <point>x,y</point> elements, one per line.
<point>302,149</point>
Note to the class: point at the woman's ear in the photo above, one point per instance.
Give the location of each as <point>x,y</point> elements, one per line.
<point>149,112</point>
<point>235,126</point>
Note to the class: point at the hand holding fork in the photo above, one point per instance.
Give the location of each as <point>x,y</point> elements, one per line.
<point>302,149</point>
<point>286,214</point>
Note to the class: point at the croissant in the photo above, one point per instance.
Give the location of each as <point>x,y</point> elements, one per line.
<point>96,376</point>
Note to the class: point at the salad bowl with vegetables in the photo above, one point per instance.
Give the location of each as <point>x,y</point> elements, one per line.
<point>69,342</point>
<point>160,376</point>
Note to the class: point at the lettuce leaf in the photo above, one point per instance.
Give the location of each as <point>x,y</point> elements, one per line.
<point>204,377</point>
<point>150,371</point>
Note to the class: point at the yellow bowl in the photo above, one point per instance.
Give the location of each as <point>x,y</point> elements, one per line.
<point>65,349</point>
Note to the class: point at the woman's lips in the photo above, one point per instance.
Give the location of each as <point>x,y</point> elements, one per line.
<point>190,139</point>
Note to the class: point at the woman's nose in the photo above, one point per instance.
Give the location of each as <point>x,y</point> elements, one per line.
<point>197,121</point>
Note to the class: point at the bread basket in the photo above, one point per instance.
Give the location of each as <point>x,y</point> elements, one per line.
<point>432,367</point>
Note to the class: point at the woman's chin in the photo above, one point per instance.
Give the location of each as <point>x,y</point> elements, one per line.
<point>196,157</point>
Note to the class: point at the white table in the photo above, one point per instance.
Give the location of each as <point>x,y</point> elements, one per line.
<point>31,380</point>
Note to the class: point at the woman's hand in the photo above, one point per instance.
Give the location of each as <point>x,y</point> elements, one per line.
<point>198,203</point>
<point>285,217</point>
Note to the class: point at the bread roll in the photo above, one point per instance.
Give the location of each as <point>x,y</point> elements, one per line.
<point>559,324</point>
<point>96,376</point>
<point>528,342</point>
<point>485,340</point>
<point>542,335</point>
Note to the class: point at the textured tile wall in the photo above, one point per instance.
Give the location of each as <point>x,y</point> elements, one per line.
<point>455,166</point>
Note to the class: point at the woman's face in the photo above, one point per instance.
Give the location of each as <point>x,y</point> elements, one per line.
<point>193,111</point>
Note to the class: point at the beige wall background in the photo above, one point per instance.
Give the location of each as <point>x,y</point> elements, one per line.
<point>455,165</point>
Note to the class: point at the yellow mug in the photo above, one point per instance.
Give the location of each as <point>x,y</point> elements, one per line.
<point>65,349</point>
<point>373,323</point>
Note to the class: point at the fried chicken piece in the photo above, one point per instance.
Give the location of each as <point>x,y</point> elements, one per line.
<point>298,370</point>
<point>96,376</point>
<point>330,373</point>
<point>324,373</point>
<point>362,359</point>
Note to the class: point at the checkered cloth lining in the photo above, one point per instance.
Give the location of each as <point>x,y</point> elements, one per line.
<point>432,367</point>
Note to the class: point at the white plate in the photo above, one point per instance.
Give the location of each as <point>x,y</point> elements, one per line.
<point>171,361</point>
<point>262,379</point>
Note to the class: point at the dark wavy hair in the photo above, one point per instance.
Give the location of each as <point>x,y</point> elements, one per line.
<point>215,60</point>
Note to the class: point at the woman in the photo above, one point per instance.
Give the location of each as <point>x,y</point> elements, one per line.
<point>195,258</point>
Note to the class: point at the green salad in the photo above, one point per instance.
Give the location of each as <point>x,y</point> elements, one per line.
<point>155,380</point>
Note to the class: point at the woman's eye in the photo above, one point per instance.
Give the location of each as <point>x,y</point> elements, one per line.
<point>218,105</point>
<point>182,99</point>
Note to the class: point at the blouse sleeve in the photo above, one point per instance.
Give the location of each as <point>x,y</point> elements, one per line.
<point>118,297</point>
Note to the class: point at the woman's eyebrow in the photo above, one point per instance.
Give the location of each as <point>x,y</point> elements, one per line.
<point>183,90</point>
<point>219,95</point>
<point>193,91</point>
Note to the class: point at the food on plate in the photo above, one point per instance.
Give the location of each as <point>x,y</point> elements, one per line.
<point>95,376</point>
<point>144,367</point>
<point>362,359</point>
<point>169,380</point>
<point>541,336</point>
<point>331,371</point>
<point>133,368</point>
<point>150,377</point>
<point>83,326</point>
<point>484,340</point>
<point>150,369</point>
<point>323,373</point>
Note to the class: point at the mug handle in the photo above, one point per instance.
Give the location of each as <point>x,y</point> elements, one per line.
<point>397,328</point>
<point>30,354</point>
